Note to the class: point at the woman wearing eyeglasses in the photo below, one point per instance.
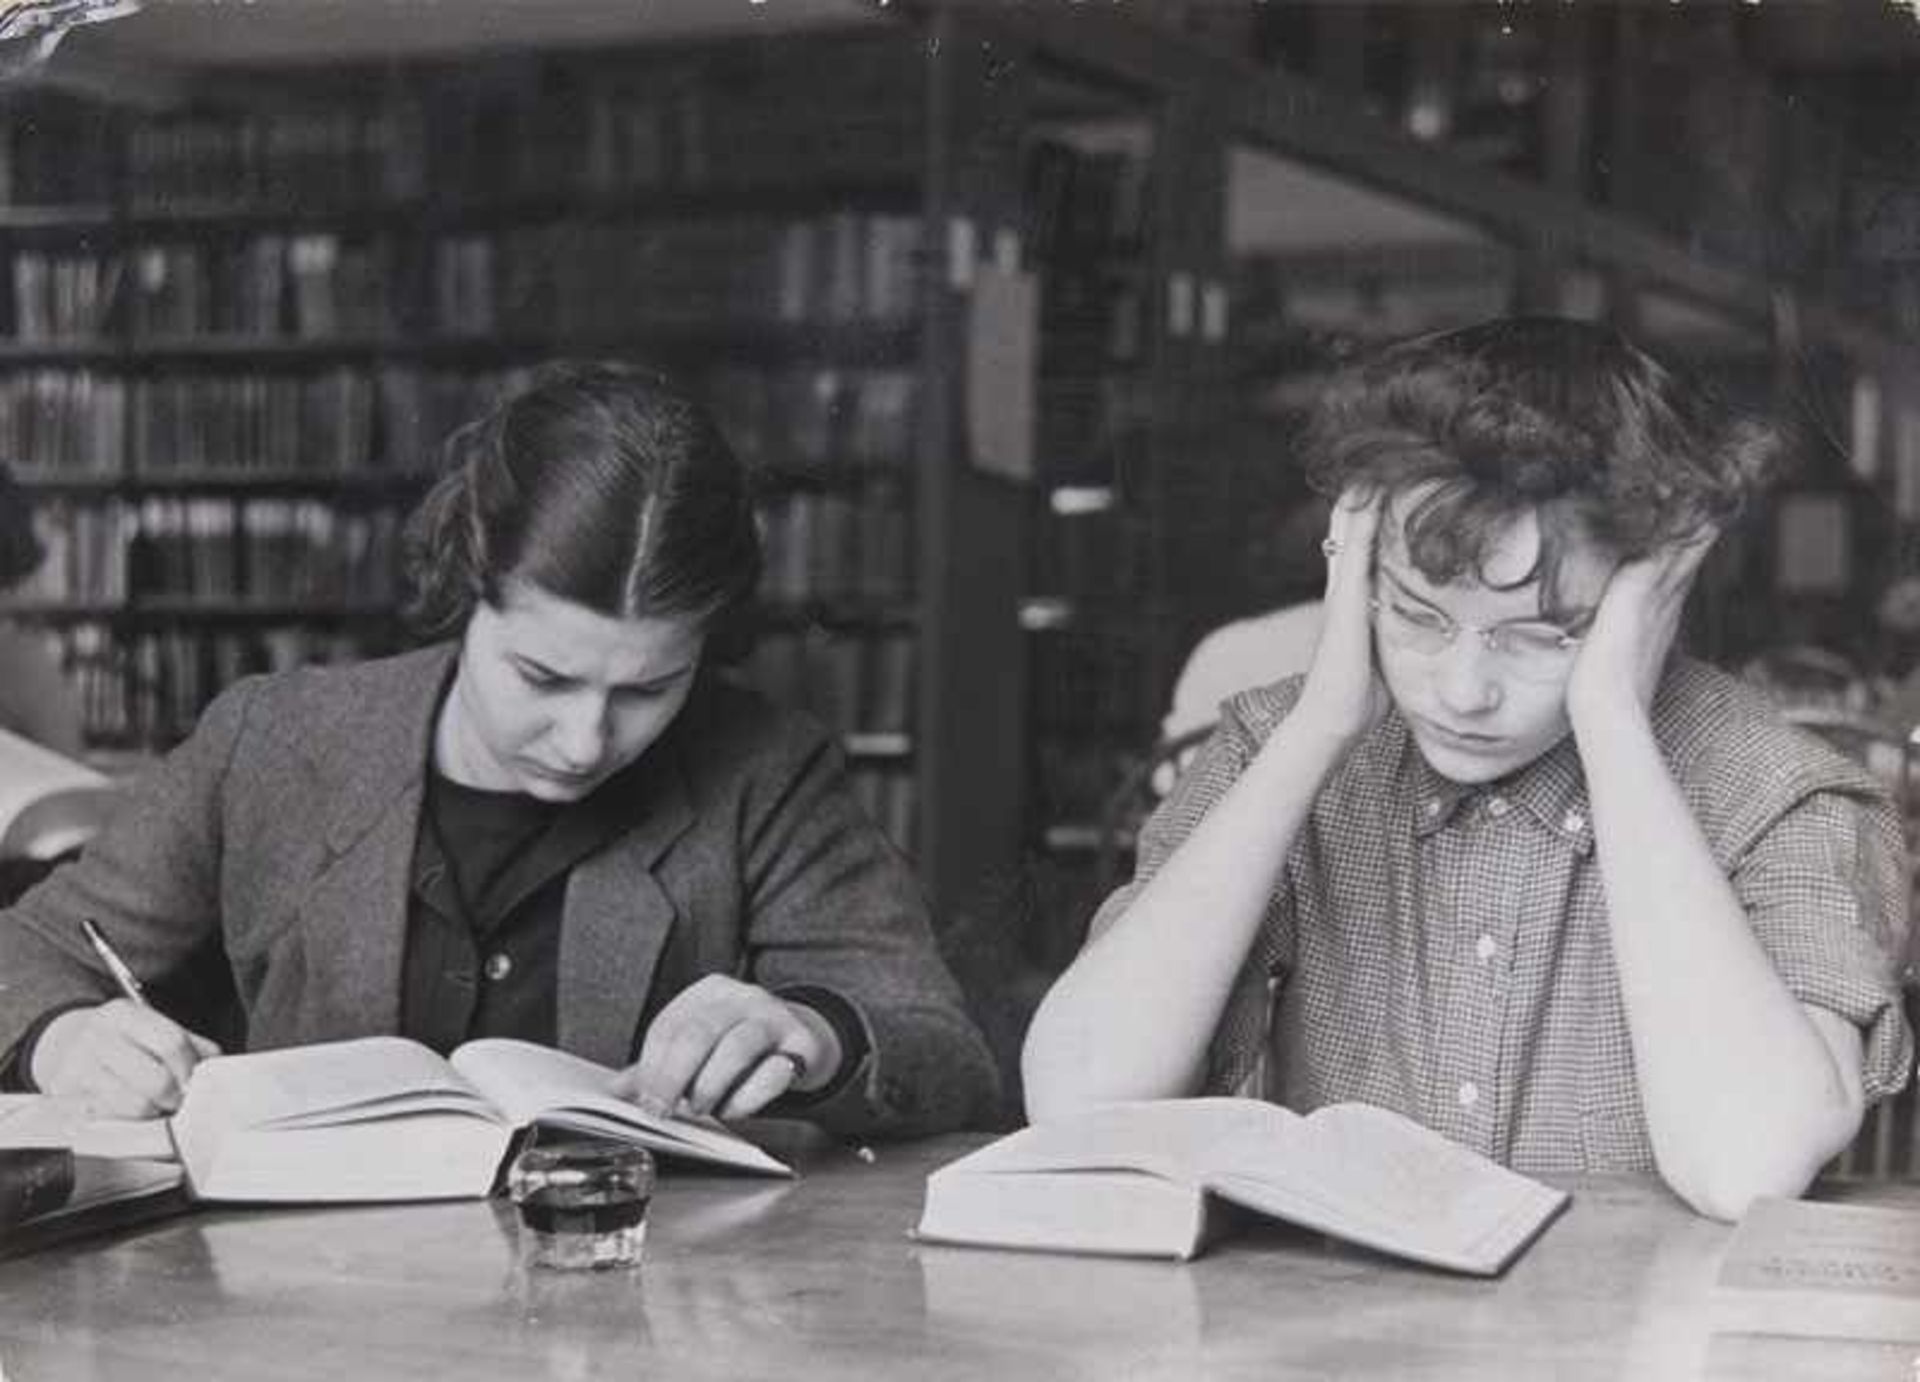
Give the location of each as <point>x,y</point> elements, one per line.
<point>1500,860</point>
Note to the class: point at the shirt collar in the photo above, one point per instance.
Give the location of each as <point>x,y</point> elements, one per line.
<point>1551,789</point>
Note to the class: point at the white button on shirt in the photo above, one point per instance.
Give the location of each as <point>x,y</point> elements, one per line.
<point>1469,1094</point>
<point>1485,947</point>
<point>1496,807</point>
<point>1573,822</point>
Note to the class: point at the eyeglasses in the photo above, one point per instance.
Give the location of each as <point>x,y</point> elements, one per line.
<point>1531,649</point>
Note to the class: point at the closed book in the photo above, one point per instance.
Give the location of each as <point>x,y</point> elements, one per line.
<point>51,1195</point>
<point>1808,1269</point>
<point>384,1118</point>
<point>1149,1178</point>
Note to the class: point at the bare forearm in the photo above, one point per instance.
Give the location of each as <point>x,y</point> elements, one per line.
<point>1743,1095</point>
<point>1132,1016</point>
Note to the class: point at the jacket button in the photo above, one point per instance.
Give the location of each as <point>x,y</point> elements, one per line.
<point>499,966</point>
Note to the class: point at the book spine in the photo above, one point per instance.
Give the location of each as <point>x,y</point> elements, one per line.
<point>33,1181</point>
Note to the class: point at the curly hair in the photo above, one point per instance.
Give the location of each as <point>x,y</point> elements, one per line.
<point>1564,420</point>
<point>599,483</point>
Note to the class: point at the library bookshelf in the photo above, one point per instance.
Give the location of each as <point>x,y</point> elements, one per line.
<point>237,331</point>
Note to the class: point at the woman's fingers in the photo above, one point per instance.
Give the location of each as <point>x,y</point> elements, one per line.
<point>1352,529</point>
<point>124,1060</point>
<point>731,1062</point>
<point>709,1047</point>
<point>773,1075</point>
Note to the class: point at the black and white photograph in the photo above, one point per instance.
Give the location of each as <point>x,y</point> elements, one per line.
<point>768,690</point>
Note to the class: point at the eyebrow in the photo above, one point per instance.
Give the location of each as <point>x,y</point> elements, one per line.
<point>534,664</point>
<point>1577,619</point>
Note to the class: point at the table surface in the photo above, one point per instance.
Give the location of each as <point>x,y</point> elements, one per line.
<point>818,1277</point>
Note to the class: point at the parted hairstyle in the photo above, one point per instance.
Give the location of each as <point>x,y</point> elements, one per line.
<point>602,484</point>
<point>1563,419</point>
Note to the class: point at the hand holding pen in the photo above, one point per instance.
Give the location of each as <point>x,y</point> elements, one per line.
<point>121,1058</point>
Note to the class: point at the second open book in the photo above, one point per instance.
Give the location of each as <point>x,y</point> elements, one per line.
<point>384,1118</point>
<point>1144,1178</point>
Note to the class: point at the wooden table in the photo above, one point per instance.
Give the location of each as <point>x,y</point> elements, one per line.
<point>749,1279</point>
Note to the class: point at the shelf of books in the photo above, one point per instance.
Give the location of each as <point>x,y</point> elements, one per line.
<point>236,334</point>
<point>1088,163</point>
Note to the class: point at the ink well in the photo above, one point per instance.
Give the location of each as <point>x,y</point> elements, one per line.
<point>583,1204</point>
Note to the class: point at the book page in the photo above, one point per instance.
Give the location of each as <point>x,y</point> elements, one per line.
<point>537,1084</point>
<point>49,803</point>
<point>1382,1179</point>
<point>1175,1138</point>
<point>332,1082</point>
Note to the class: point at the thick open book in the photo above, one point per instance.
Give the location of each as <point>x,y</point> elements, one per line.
<point>1139,1178</point>
<point>1830,1271</point>
<point>49,803</point>
<point>384,1118</point>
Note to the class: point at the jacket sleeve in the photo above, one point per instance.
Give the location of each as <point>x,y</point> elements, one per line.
<point>832,905</point>
<point>149,880</point>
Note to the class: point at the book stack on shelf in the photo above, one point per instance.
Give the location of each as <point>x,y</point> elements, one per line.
<point>1092,703</point>
<point>236,337</point>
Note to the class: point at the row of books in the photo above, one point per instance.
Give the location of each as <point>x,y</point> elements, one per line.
<point>834,545</point>
<point>72,423</point>
<point>858,683</point>
<point>85,422</point>
<point>605,123</point>
<point>566,275</point>
<point>310,287</point>
<point>605,277</point>
<point>828,545</point>
<point>813,416</point>
<point>147,689</point>
<point>268,550</point>
<point>351,153</point>
<point>68,423</point>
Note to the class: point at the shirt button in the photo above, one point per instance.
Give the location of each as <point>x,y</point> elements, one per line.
<point>1485,948</point>
<point>1573,822</point>
<point>499,966</point>
<point>1469,1094</point>
<point>1496,807</point>
<point>1433,806</point>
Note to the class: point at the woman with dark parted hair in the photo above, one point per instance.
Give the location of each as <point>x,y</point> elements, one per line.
<point>36,701</point>
<point>556,823</point>
<point>1501,860</point>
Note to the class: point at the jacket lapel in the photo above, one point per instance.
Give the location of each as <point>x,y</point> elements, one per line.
<point>617,917</point>
<point>371,761</point>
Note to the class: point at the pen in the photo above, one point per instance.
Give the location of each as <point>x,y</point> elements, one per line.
<point>116,966</point>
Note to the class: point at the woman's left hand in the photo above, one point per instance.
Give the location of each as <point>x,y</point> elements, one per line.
<point>1625,648</point>
<point>729,1048</point>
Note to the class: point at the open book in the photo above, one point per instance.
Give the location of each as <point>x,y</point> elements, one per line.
<point>384,1118</point>
<point>49,803</point>
<point>1138,1178</point>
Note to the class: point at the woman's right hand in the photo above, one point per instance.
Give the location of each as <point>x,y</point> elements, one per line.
<point>1343,694</point>
<point>119,1060</point>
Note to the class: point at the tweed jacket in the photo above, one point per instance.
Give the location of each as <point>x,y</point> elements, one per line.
<point>284,827</point>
